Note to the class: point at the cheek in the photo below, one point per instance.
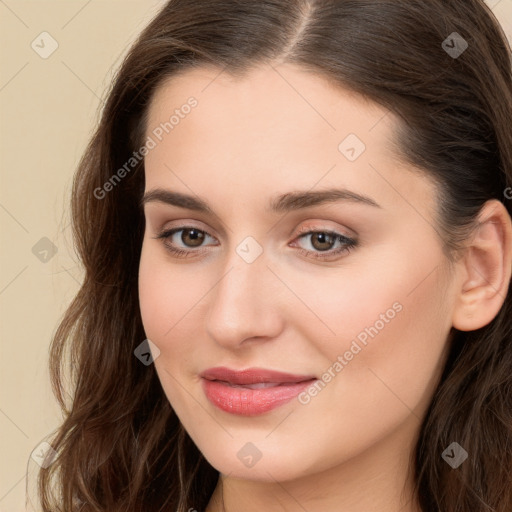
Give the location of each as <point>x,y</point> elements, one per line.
<point>387,311</point>
<point>376,384</point>
<point>172,305</point>
<point>167,293</point>
<point>153,295</point>
<point>165,298</point>
<point>391,323</point>
<point>381,294</point>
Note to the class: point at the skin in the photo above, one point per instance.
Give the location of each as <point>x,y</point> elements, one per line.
<point>274,131</point>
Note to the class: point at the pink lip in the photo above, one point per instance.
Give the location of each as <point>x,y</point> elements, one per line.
<point>229,389</point>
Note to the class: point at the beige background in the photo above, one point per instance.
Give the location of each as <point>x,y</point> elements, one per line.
<point>48,110</point>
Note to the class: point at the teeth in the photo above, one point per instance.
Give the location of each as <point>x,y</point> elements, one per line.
<point>258,385</point>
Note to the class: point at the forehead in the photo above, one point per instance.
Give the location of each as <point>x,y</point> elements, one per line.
<point>266,97</point>
<point>266,117</point>
<point>273,129</point>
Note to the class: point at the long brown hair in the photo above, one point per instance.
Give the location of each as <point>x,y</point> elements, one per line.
<point>120,446</point>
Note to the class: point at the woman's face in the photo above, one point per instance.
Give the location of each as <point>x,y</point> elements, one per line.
<point>357,313</point>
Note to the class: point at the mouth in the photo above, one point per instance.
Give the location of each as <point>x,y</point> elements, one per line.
<point>256,385</point>
<point>251,391</point>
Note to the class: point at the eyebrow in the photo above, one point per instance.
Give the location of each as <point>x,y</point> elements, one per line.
<point>281,204</point>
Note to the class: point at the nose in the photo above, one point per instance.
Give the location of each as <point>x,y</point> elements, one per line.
<point>245,304</point>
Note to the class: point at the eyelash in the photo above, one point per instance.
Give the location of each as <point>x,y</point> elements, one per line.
<point>349,243</point>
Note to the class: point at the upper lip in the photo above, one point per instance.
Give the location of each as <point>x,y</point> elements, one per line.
<point>251,375</point>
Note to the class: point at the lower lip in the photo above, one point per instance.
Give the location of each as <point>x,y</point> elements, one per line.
<point>250,402</point>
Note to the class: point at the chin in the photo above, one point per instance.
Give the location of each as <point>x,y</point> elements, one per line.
<point>272,465</point>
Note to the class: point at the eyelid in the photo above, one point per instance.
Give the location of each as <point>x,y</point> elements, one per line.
<point>168,232</point>
<point>330,255</point>
<point>324,229</point>
<point>303,230</point>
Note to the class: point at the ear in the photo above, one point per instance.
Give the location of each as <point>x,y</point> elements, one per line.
<point>487,267</point>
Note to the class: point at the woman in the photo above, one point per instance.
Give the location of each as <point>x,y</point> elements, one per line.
<point>294,219</point>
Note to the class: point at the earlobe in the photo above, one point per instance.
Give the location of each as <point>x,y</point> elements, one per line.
<point>487,269</point>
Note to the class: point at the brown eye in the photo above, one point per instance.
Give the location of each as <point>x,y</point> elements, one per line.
<point>184,241</point>
<point>192,237</point>
<point>322,241</point>
<point>325,244</point>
